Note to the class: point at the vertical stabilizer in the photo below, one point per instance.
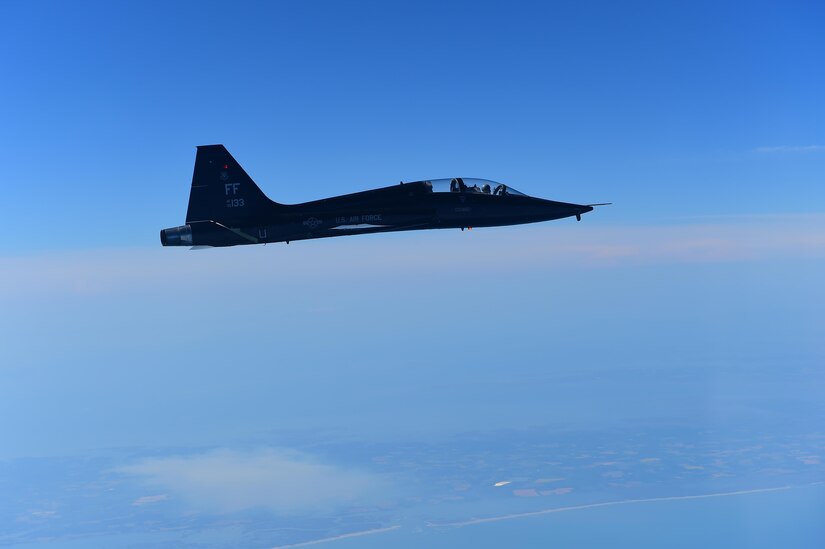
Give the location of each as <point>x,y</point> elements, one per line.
<point>223,192</point>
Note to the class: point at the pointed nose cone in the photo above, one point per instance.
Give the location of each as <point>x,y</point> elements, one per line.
<point>538,209</point>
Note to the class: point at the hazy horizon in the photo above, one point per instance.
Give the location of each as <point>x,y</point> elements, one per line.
<point>619,380</point>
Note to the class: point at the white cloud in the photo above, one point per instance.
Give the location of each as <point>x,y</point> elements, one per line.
<point>791,148</point>
<point>148,500</point>
<point>279,480</point>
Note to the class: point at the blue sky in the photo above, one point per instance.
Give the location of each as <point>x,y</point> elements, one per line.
<point>696,297</point>
<point>701,122</point>
<point>669,110</point>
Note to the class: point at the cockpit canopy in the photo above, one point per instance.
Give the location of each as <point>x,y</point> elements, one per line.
<point>470,185</point>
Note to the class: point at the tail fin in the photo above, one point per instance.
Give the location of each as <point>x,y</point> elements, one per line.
<point>222,191</point>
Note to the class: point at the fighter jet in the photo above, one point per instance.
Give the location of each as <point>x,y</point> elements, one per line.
<point>226,208</point>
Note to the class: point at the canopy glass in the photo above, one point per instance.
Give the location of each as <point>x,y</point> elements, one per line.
<point>471,185</point>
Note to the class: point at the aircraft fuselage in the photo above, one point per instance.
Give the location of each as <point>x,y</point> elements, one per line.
<point>226,208</point>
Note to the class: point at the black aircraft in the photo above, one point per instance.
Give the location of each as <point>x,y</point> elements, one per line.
<point>226,208</point>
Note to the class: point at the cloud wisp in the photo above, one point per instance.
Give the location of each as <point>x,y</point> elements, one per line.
<point>577,246</point>
<point>282,481</point>
<point>791,149</point>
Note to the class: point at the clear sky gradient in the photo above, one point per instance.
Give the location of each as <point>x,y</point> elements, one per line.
<point>702,122</point>
<point>696,298</point>
<point>667,109</point>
